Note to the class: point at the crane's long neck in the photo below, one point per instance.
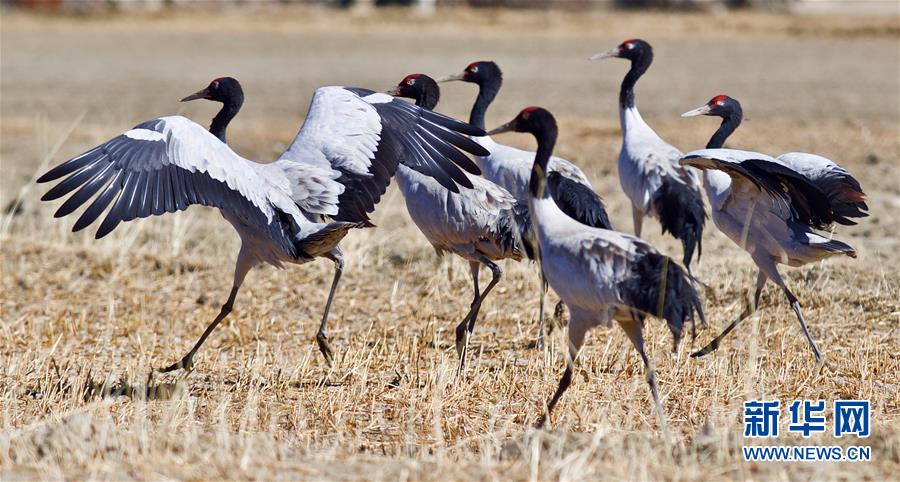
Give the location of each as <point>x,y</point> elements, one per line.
<point>487,91</point>
<point>546,139</point>
<point>231,106</point>
<point>729,124</point>
<point>638,67</point>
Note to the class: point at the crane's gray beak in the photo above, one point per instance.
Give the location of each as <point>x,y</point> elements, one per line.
<point>702,110</point>
<point>451,77</point>
<point>613,52</point>
<point>508,127</point>
<point>200,94</point>
<point>395,91</point>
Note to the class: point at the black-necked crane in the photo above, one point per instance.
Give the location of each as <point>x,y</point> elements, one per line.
<point>601,275</point>
<point>511,168</point>
<point>481,224</point>
<point>648,166</point>
<point>293,210</point>
<point>771,207</point>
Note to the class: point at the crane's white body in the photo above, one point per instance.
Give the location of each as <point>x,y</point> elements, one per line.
<point>510,168</point>
<point>645,160</point>
<point>464,223</point>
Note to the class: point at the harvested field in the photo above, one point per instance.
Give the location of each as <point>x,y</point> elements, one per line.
<point>84,322</point>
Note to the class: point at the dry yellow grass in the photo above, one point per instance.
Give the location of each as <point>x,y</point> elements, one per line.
<point>83,322</point>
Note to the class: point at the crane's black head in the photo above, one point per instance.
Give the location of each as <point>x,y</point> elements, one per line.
<point>719,106</point>
<point>481,73</point>
<point>540,123</point>
<point>534,120</point>
<point>226,90</point>
<point>419,87</point>
<point>635,50</point>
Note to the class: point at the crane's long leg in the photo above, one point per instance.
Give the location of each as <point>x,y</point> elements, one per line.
<point>634,331</point>
<point>795,305</point>
<point>472,316</point>
<point>321,338</point>
<point>748,310</point>
<point>541,323</point>
<point>462,334</point>
<point>637,217</point>
<point>243,266</point>
<point>577,331</point>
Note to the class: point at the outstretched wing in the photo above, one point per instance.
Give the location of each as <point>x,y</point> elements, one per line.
<point>843,190</point>
<point>364,135</point>
<point>166,165</point>
<point>807,203</point>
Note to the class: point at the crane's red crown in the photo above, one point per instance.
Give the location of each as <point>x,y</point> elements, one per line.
<point>406,80</point>
<point>718,100</point>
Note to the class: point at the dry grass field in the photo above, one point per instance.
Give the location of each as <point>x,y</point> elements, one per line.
<point>84,322</point>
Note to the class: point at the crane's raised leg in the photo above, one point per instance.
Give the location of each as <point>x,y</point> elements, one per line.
<point>321,338</point>
<point>634,331</point>
<point>748,310</point>
<point>577,330</point>
<point>637,217</point>
<point>243,266</point>
<point>467,326</point>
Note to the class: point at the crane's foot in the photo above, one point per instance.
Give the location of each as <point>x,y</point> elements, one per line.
<point>706,350</point>
<point>325,348</point>
<point>539,343</point>
<point>541,422</point>
<point>462,337</point>
<point>559,315</point>
<point>186,364</point>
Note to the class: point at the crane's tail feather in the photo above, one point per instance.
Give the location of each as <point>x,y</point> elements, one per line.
<point>681,212</point>
<point>836,246</point>
<point>660,287</point>
<point>324,240</point>
<point>846,197</point>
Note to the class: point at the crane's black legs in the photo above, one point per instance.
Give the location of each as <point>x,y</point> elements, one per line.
<point>243,266</point>
<point>748,310</point>
<point>321,338</point>
<point>634,331</point>
<point>541,323</point>
<point>795,305</point>
<point>577,331</point>
<point>467,326</point>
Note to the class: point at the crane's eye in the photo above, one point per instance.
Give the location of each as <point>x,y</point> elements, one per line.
<point>720,103</point>
<point>629,46</point>
<point>473,69</point>
<point>411,82</point>
<point>214,85</point>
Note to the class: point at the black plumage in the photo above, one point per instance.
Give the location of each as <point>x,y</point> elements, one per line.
<point>578,201</point>
<point>681,213</point>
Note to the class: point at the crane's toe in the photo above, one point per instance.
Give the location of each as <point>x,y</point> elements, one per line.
<point>325,348</point>
<point>186,363</point>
